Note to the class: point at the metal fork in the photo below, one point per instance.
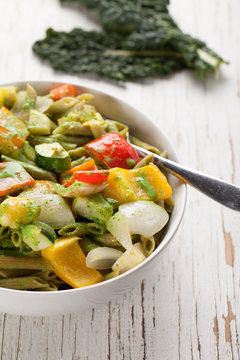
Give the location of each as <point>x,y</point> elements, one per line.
<point>221,191</point>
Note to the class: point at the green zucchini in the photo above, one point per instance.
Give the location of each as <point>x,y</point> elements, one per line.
<point>46,230</point>
<point>53,157</point>
<point>33,237</point>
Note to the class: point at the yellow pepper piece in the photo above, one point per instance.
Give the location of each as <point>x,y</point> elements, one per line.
<point>146,183</point>
<point>69,263</point>
<point>7,92</point>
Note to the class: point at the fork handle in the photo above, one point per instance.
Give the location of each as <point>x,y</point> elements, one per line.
<point>221,191</point>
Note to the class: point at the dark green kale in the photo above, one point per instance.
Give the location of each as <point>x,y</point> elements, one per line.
<point>139,39</point>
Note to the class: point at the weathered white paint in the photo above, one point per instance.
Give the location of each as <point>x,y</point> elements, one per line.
<point>190,308</point>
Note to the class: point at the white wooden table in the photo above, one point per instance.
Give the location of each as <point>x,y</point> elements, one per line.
<point>190,308</point>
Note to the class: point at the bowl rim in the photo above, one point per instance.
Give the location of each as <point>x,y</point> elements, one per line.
<point>168,236</point>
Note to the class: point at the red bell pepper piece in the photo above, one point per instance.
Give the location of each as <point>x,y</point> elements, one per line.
<point>90,177</point>
<point>13,177</point>
<point>113,151</point>
<point>62,91</point>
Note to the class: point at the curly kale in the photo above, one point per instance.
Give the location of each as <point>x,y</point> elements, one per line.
<point>139,39</point>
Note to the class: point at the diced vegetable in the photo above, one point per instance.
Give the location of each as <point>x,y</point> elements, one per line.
<point>79,188</point>
<point>62,91</point>
<point>130,258</point>
<point>39,123</point>
<point>35,171</point>
<point>94,208</point>
<point>54,210</point>
<point>69,263</point>
<point>15,212</point>
<point>102,258</point>
<point>13,131</point>
<point>7,96</point>
<point>90,177</point>
<point>117,225</point>
<point>41,187</point>
<point>34,238</point>
<point>53,157</point>
<point>13,177</point>
<point>144,217</point>
<point>146,183</point>
<point>88,165</point>
<point>46,230</point>
<point>113,151</point>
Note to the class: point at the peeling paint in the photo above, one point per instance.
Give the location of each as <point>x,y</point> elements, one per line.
<point>229,248</point>
<point>216,333</point>
<point>230,316</point>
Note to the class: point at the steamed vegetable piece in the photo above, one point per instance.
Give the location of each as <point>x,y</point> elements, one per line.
<point>39,123</point>
<point>113,151</point>
<point>79,188</point>
<point>34,238</point>
<point>146,183</point>
<point>144,217</point>
<point>43,187</point>
<point>15,212</point>
<point>89,177</point>
<point>132,257</point>
<point>102,258</point>
<point>139,39</point>
<point>88,165</point>
<point>52,157</point>
<point>35,171</point>
<point>13,177</point>
<point>69,263</point>
<point>62,91</point>
<point>94,208</point>
<point>7,96</point>
<point>13,131</point>
<point>54,210</point>
<point>117,225</point>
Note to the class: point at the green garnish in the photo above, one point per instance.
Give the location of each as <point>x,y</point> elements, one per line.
<point>145,185</point>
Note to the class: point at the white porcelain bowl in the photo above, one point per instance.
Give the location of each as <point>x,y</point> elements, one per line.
<point>74,300</point>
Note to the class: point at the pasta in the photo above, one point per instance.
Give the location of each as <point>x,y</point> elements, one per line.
<point>78,205</point>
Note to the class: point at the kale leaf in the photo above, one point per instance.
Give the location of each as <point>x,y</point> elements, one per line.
<point>139,39</point>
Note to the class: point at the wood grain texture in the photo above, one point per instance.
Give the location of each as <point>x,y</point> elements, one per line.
<point>190,307</point>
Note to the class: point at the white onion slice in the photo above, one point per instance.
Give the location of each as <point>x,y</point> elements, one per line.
<point>102,257</point>
<point>144,217</point>
<point>117,225</point>
<point>54,210</point>
<point>130,258</point>
<point>80,188</point>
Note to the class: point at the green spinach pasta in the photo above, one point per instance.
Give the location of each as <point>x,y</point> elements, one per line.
<point>77,204</point>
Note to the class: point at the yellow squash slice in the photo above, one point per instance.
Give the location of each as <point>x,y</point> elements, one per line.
<point>69,263</point>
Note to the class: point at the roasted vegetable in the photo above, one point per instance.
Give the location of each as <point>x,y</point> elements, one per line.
<point>139,39</point>
<point>69,263</point>
<point>112,150</point>
<point>13,177</point>
<point>15,212</point>
<point>146,183</point>
<point>13,131</point>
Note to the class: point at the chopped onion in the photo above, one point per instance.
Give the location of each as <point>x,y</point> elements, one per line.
<point>43,103</point>
<point>144,217</point>
<point>102,257</point>
<point>117,225</point>
<point>54,210</point>
<point>79,188</point>
<point>130,258</point>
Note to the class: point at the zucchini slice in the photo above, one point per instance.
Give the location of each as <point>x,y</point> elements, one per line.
<point>52,157</point>
<point>33,237</point>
